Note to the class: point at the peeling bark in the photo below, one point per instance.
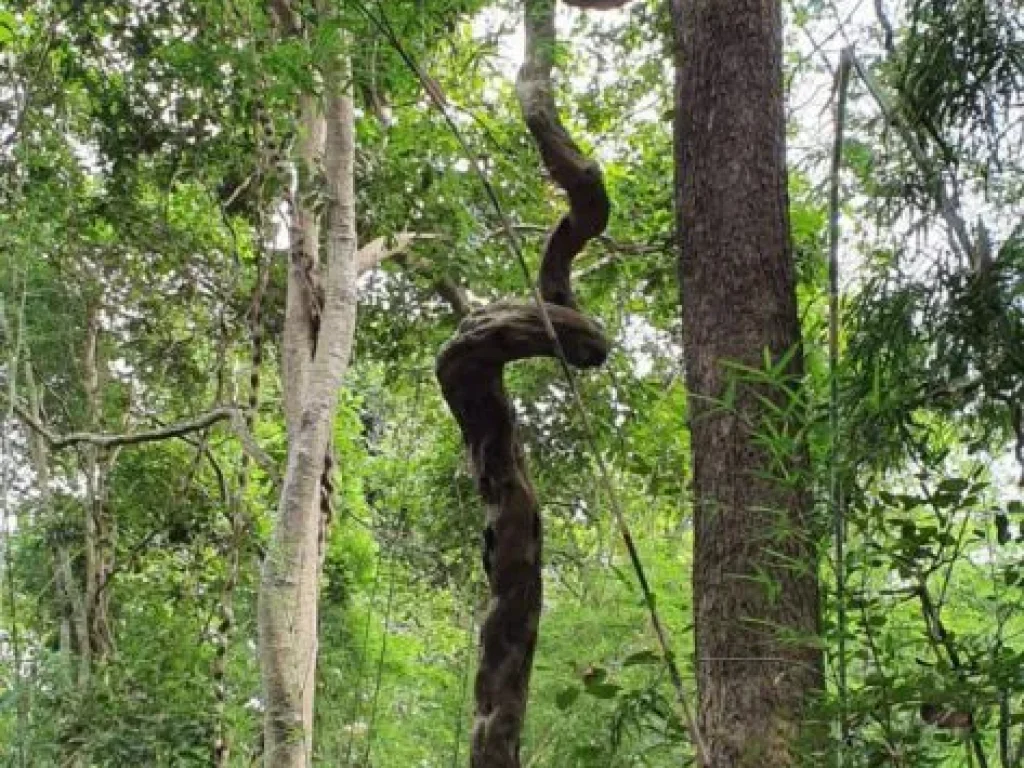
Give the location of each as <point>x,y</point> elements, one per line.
<point>470,368</point>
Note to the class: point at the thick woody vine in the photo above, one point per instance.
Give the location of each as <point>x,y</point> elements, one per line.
<point>470,369</point>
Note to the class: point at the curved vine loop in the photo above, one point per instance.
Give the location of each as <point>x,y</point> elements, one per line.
<point>469,369</point>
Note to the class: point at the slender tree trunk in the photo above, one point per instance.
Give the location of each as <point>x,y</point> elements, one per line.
<point>239,514</point>
<point>97,643</point>
<point>317,346</point>
<point>755,583</point>
<point>90,541</point>
<point>302,307</point>
<point>71,610</point>
<point>64,584</point>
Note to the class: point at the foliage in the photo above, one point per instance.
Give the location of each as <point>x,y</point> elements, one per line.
<point>143,147</point>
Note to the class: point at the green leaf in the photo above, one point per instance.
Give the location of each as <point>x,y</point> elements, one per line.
<point>567,697</point>
<point>603,691</point>
<point>7,22</point>
<point>641,658</point>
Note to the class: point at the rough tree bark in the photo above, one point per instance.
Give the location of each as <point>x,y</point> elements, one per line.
<point>755,582</point>
<point>319,328</point>
<point>470,368</point>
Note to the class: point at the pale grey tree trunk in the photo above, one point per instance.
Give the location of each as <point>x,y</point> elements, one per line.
<point>318,339</point>
<point>99,533</point>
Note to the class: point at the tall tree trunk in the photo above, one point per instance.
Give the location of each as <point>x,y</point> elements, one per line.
<point>317,345</point>
<point>97,643</point>
<point>69,609</point>
<point>754,577</point>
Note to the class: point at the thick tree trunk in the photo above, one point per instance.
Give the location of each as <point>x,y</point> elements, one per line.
<point>318,342</point>
<point>755,583</point>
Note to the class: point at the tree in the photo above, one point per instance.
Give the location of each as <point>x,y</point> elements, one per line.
<point>318,332</point>
<point>754,576</point>
<point>148,153</point>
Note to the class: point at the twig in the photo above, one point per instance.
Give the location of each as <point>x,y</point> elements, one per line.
<point>887,32</point>
<point>938,633</point>
<point>381,248</point>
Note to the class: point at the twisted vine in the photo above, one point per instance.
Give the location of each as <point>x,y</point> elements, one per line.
<point>470,368</point>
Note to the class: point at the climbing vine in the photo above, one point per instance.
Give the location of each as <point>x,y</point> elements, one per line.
<point>470,369</point>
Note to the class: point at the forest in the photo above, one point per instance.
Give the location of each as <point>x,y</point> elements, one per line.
<point>512,383</point>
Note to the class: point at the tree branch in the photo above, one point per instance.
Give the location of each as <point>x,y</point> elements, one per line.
<point>659,245</point>
<point>182,428</point>
<point>252,448</point>
<point>381,249</point>
<point>378,251</point>
<point>444,285</point>
<point>959,240</point>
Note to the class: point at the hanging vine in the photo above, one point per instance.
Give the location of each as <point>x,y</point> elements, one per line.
<point>470,369</point>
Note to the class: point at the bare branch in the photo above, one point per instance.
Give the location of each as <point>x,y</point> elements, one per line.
<point>444,285</point>
<point>285,19</point>
<point>456,296</point>
<point>610,243</point>
<point>378,251</point>
<point>959,240</point>
<point>57,442</point>
<point>382,249</point>
<point>887,31</point>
